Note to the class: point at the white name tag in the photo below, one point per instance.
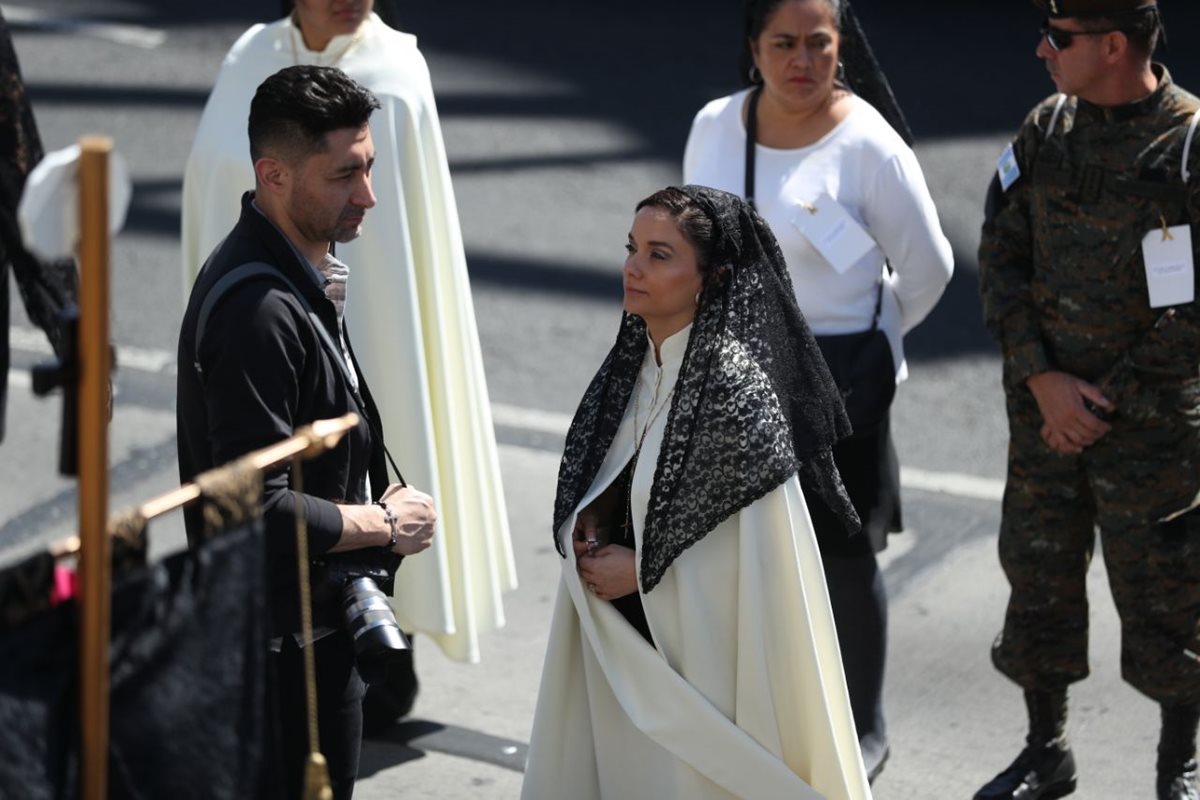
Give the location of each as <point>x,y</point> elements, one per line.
<point>833,232</point>
<point>1007,169</point>
<point>1170,273</point>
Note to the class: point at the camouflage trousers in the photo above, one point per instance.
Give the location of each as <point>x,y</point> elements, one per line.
<point>1053,506</point>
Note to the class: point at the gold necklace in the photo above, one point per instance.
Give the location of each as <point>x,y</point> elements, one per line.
<point>298,31</point>
<point>654,411</point>
<point>627,527</point>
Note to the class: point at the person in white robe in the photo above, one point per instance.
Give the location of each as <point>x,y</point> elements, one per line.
<point>692,652</point>
<point>411,318</point>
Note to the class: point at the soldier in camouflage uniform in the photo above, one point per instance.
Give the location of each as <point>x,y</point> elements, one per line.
<point>1103,391</point>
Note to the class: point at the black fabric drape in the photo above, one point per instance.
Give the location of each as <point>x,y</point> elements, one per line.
<point>863,75</point>
<point>39,707</point>
<point>188,665</point>
<point>45,287</point>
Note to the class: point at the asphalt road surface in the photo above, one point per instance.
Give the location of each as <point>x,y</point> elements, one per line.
<point>558,117</point>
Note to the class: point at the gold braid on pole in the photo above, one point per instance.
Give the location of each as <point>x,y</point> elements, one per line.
<point>316,771</point>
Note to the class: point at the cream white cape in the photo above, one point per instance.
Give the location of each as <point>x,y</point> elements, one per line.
<point>409,310</point>
<point>744,696</point>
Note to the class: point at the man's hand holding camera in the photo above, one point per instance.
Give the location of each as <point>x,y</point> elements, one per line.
<point>415,518</point>
<point>368,526</point>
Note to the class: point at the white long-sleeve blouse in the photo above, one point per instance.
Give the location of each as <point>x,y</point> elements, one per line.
<point>867,168</point>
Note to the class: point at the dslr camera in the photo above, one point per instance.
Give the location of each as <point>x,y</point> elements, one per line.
<point>363,580</point>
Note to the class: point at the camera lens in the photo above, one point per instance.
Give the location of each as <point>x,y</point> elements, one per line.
<point>373,627</point>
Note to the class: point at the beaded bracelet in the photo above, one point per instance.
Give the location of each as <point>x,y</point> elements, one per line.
<point>392,521</point>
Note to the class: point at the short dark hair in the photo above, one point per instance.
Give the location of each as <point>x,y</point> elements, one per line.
<point>293,110</point>
<point>1142,28</point>
<point>693,222</point>
<point>758,12</point>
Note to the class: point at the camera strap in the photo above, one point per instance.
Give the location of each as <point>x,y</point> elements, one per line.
<point>751,144</point>
<point>259,269</point>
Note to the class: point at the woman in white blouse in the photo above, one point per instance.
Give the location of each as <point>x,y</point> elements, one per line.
<point>846,198</point>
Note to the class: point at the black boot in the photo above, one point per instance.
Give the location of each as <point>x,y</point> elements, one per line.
<point>1045,769</point>
<point>1177,753</point>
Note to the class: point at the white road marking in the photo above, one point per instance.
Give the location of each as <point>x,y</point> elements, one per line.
<point>116,32</point>
<point>143,359</point>
<point>957,484</point>
<point>162,362</point>
<point>953,483</point>
<point>530,419</point>
<point>28,339</point>
<point>897,548</point>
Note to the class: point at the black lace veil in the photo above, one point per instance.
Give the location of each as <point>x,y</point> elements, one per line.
<point>754,403</point>
<point>46,287</point>
<point>862,74</point>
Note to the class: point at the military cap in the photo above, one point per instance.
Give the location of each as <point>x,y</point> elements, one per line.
<point>1056,9</point>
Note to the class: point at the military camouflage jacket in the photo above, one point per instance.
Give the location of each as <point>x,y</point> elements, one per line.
<point>1063,280</point>
<point>1061,269</point>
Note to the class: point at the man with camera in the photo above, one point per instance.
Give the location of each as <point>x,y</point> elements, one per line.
<point>263,351</point>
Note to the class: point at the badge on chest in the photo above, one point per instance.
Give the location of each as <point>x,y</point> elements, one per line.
<point>834,234</point>
<point>1170,271</point>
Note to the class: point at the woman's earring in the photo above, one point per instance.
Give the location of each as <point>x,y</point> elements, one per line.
<point>697,299</point>
<point>753,74</point>
<point>840,77</point>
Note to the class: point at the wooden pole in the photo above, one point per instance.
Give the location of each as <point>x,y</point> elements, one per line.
<point>95,560</point>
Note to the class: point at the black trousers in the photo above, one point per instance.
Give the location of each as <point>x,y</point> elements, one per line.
<point>859,602</point>
<point>871,473</point>
<point>340,692</point>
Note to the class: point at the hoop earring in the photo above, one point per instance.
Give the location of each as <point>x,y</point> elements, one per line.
<point>698,298</point>
<point>840,76</point>
<point>754,75</point>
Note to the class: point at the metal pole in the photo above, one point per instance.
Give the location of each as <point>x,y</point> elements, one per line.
<point>95,559</point>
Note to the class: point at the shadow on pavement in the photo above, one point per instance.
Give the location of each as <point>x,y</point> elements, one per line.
<point>646,66</point>
<point>580,280</point>
<point>413,738</point>
<point>156,12</point>
<point>958,69</point>
<point>89,94</point>
<point>955,326</point>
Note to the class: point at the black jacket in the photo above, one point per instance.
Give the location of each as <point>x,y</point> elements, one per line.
<point>264,372</point>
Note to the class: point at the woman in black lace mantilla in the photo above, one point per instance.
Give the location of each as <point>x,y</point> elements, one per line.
<point>693,652</point>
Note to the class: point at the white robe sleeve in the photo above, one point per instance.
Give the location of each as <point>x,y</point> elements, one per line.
<point>900,214</point>
<point>409,312</point>
<point>218,169</point>
<point>791,688</point>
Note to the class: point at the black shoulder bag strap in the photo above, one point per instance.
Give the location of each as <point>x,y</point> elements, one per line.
<point>751,149</point>
<point>260,269</point>
<point>751,143</point>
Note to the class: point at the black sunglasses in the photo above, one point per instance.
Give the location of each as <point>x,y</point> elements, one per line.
<point>1060,39</point>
